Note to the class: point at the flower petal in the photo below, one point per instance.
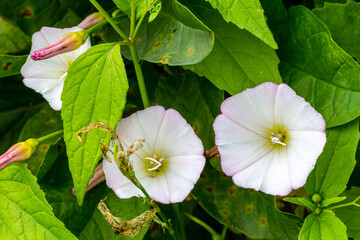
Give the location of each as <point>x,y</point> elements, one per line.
<point>303,150</point>
<point>115,180</point>
<point>294,113</point>
<point>252,108</point>
<point>238,146</point>
<point>176,137</point>
<point>51,89</point>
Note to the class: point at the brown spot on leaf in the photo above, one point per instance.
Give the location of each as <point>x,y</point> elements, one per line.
<point>158,38</point>
<point>224,175</point>
<point>231,191</point>
<point>226,203</point>
<point>225,220</point>
<point>202,176</point>
<point>225,212</point>
<point>156,45</point>
<point>7,65</point>
<point>190,52</point>
<point>196,128</point>
<point>251,190</point>
<point>169,38</point>
<point>48,119</point>
<point>209,189</point>
<point>37,159</point>
<point>26,13</point>
<point>45,147</point>
<point>262,221</point>
<point>253,204</point>
<point>248,209</point>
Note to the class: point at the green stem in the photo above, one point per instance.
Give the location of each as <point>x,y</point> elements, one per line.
<point>100,24</point>
<point>139,76</point>
<point>51,135</point>
<point>132,20</point>
<point>138,26</point>
<point>213,233</point>
<point>109,19</point>
<point>180,223</point>
<point>353,203</point>
<point>223,233</point>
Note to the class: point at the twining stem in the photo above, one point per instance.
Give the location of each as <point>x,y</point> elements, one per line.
<point>51,135</point>
<point>223,233</point>
<point>180,223</point>
<point>352,203</point>
<point>109,19</point>
<point>213,233</point>
<point>93,28</point>
<point>140,77</point>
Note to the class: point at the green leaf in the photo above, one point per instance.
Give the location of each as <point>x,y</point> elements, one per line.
<point>17,104</point>
<point>301,201</point>
<point>334,166</point>
<point>196,100</point>
<point>329,201</point>
<point>246,14</point>
<point>31,15</point>
<point>94,91</point>
<point>11,65</point>
<point>250,212</point>
<point>141,6</point>
<point>325,226</point>
<point>46,121</point>
<point>320,3</point>
<point>343,22</point>
<point>318,69</point>
<point>24,210</point>
<point>350,215</point>
<point>12,39</point>
<point>175,37</point>
<point>98,228</point>
<point>239,60</point>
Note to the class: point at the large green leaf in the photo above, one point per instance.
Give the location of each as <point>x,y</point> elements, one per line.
<point>31,15</point>
<point>238,60</point>
<point>46,121</point>
<point>17,104</point>
<point>94,91</point>
<point>175,37</point>
<point>12,39</point>
<point>343,22</point>
<point>250,212</point>
<point>11,65</point>
<point>141,6</point>
<point>197,100</point>
<point>334,166</point>
<point>24,211</point>
<point>98,228</point>
<point>325,226</point>
<point>246,14</point>
<point>350,215</point>
<point>318,69</point>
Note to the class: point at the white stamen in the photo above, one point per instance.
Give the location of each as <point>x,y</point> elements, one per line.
<point>152,160</point>
<point>276,140</point>
<point>63,76</point>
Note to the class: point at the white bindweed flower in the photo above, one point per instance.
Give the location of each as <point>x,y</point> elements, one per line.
<point>269,138</point>
<point>170,161</point>
<point>47,76</point>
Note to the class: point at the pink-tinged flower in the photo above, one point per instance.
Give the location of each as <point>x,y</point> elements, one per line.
<point>269,138</point>
<point>98,177</point>
<point>18,152</point>
<point>91,20</point>
<point>170,161</point>
<point>47,76</point>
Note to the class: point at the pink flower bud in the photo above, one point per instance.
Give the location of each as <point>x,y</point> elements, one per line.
<point>67,43</point>
<point>91,20</point>
<point>18,152</point>
<point>99,176</point>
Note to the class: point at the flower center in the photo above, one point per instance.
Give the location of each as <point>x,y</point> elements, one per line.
<point>154,162</point>
<point>278,137</point>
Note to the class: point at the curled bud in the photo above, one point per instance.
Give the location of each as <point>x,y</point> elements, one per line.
<point>91,20</point>
<point>18,152</point>
<point>67,43</point>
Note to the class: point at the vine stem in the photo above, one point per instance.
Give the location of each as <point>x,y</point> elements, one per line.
<point>213,233</point>
<point>51,135</point>
<point>139,76</point>
<point>352,203</point>
<point>109,19</point>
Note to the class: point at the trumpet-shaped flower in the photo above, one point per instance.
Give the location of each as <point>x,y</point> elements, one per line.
<point>269,138</point>
<point>47,76</point>
<point>170,161</point>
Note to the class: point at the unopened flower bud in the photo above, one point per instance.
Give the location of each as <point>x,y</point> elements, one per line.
<point>91,20</point>
<point>19,152</point>
<point>67,43</point>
